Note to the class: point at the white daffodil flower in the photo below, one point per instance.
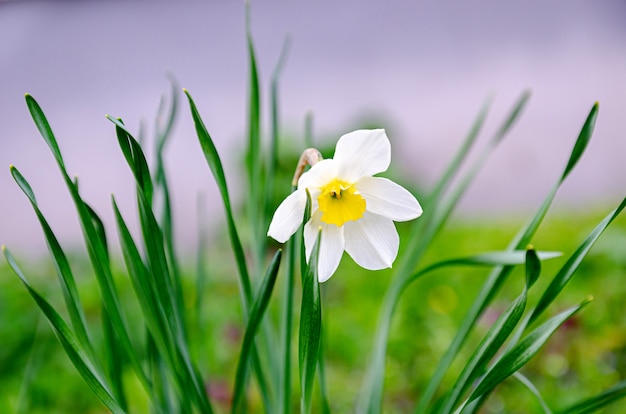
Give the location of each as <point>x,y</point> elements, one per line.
<point>354,209</point>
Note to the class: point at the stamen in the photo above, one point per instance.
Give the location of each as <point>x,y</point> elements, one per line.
<point>339,203</point>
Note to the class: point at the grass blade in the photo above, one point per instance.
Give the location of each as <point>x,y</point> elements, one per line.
<point>310,329</point>
<point>425,231</point>
<point>495,337</point>
<point>522,352</point>
<point>134,157</point>
<point>145,288</point>
<point>534,391</point>
<point>284,390</point>
<point>164,125</point>
<point>253,154</point>
<point>499,275</point>
<point>256,316</point>
<point>70,344</point>
<point>98,254</point>
<point>44,128</point>
<point>62,266</point>
<point>114,361</point>
<point>569,268</point>
<point>583,140</point>
<point>595,403</point>
<point>273,154</point>
<point>215,164</point>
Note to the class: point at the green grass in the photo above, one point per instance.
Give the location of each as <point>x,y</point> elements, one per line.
<point>582,359</point>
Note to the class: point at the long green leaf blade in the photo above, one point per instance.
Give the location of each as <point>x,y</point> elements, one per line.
<point>534,391</point>
<point>495,337</point>
<point>583,140</point>
<point>522,352</point>
<point>595,403</point>
<point>44,128</point>
<point>273,154</point>
<point>62,266</point>
<point>215,164</point>
<point>145,289</point>
<point>569,268</point>
<point>134,157</point>
<point>499,275</point>
<point>97,251</point>
<point>256,315</point>
<point>74,351</point>
<point>427,227</point>
<point>114,360</point>
<point>310,329</point>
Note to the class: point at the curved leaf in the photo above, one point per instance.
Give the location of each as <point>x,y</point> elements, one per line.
<point>74,351</point>
<point>522,352</point>
<point>256,315</point>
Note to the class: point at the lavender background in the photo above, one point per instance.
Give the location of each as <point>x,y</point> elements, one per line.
<point>425,67</point>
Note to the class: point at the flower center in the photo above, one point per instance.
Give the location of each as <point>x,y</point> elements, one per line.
<point>339,202</point>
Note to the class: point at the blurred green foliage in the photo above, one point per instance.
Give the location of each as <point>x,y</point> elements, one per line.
<point>583,358</point>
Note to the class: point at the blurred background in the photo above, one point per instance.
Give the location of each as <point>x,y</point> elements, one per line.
<point>422,69</point>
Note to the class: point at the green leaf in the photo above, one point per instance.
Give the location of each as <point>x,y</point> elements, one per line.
<point>163,125</point>
<point>321,368</point>
<point>254,158</point>
<point>497,278</point>
<point>165,122</point>
<point>256,315</point>
<point>284,390</point>
<point>534,391</point>
<point>215,164</point>
<point>157,263</point>
<point>512,118</point>
<point>145,288</point>
<point>201,267</point>
<point>523,352</point>
<point>569,268</point>
<point>98,254</point>
<point>114,360</point>
<point>44,128</point>
<point>134,157</point>
<point>74,351</point>
<point>437,211</point>
<point>62,266</point>
<point>310,329</point>
<point>492,259</point>
<point>583,139</point>
<point>533,266</point>
<point>495,337</point>
<point>273,155</point>
<point>213,159</point>
<point>595,403</point>
<point>163,337</point>
<point>488,347</point>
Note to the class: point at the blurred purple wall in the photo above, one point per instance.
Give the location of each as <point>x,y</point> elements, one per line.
<point>426,67</point>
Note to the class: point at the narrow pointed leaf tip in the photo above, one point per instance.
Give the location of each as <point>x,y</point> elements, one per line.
<point>354,209</point>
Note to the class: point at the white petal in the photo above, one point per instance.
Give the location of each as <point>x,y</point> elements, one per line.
<point>362,153</point>
<point>319,175</point>
<point>372,241</point>
<point>386,198</point>
<point>331,247</point>
<point>288,216</point>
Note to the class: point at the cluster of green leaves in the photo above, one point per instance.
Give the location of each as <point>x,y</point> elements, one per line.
<point>509,344</point>
<point>160,358</point>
